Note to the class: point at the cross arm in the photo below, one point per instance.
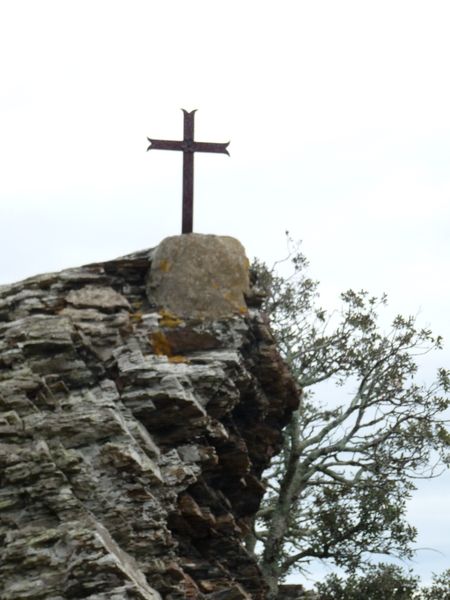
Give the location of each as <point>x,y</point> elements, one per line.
<point>211,147</point>
<point>165,145</point>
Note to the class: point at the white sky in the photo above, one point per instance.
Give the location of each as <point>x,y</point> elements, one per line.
<point>339,120</point>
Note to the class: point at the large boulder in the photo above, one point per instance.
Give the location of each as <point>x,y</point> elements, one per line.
<point>199,276</point>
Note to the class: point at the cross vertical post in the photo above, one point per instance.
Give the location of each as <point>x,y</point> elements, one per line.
<point>188,174</point>
<point>188,146</point>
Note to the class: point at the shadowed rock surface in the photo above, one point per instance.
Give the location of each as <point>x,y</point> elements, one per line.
<point>132,439</point>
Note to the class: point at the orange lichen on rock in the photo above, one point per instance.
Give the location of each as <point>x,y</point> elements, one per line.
<point>161,347</point>
<point>164,265</point>
<point>178,359</point>
<point>136,317</point>
<point>160,343</point>
<point>168,319</point>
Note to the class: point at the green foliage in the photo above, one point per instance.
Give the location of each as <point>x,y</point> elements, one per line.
<point>383,582</point>
<point>440,588</point>
<point>380,582</point>
<point>339,488</point>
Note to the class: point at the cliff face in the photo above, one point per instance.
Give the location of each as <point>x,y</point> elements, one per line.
<point>133,438</point>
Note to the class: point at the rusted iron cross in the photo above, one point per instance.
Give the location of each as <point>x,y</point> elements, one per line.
<point>188,146</point>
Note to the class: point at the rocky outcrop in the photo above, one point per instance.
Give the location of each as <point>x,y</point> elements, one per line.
<point>132,439</point>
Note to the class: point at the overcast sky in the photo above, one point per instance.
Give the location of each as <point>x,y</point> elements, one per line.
<point>338,113</point>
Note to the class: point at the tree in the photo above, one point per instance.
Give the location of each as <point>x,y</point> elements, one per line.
<point>338,490</point>
<point>380,582</point>
<point>440,588</point>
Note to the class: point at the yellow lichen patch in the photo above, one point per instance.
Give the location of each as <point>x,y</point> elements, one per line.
<point>164,265</point>
<point>168,319</point>
<point>136,317</point>
<point>243,310</point>
<point>178,359</point>
<point>161,347</point>
<point>160,344</point>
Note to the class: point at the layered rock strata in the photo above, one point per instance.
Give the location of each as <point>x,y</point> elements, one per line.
<point>132,438</point>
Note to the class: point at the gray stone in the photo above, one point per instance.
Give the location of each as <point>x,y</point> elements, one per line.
<point>96,296</point>
<point>199,276</point>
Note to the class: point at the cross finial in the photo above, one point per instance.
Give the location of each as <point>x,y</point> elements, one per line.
<point>188,146</point>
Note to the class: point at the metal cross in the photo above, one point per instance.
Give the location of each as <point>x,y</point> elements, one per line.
<point>188,146</point>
